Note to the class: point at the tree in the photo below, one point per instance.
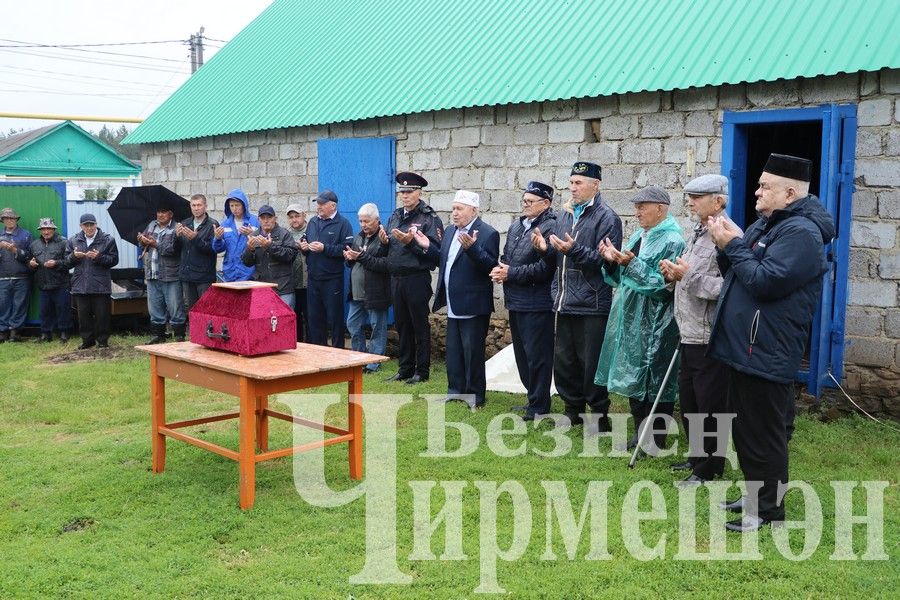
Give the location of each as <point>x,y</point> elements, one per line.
<point>114,137</point>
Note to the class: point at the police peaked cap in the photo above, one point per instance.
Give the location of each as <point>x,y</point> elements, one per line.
<point>410,180</point>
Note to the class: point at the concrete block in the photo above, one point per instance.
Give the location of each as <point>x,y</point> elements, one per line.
<point>870,352</point>
<point>662,124</point>
<point>391,125</point>
<point>467,179</point>
<point>863,321</point>
<point>214,157</point>
<point>239,140</point>
<point>497,135</point>
<point>643,152</point>
<point>676,150</point>
<point>317,132</point>
<point>277,168</point>
<point>700,123</point>
<point>436,138</point>
<point>448,119</point>
<point>307,150</point>
<point>830,88</point>
<point>523,176</point>
<point>874,112</point>
<point>365,128</point>
<point>232,155</point>
<point>879,172</point>
<point>268,152</point>
<point>868,141</point>
<point>222,171</point>
<point>865,234</point>
<point>559,110</point>
<point>340,130</point>
<point>889,204</point>
<point>890,81</point>
<point>190,173</point>
<point>664,176</point>
<point>506,201</point>
<point>267,185</point>
<point>892,142</point>
<point>198,157</point>
<point>173,146</point>
<point>411,142</point>
<point>535,133</point>
<point>426,159</point>
<point>617,177</point>
<point>499,179</point>
<point>865,203</point>
<point>238,170</point>
<point>597,108</point>
<point>569,132</point>
<point>439,179</point>
<point>868,292</point>
<point>524,112</point>
<point>705,98</point>
<point>863,263</point>
<point>559,155</point>
<point>441,202</point>
<point>456,157</point>
<point>715,151</point>
<point>167,161</point>
<point>256,169</point>
<point>602,153</point>
<point>286,185</point>
<point>297,167</point>
<point>249,154</point>
<point>154,161</point>
<point>773,93</point>
<point>892,323</point>
<point>498,220</point>
<point>182,188</point>
<point>273,136</point>
<point>182,159</point>
<point>250,185</point>
<point>639,103</point>
<point>889,266</point>
<point>488,156</point>
<point>522,156</point>
<point>478,115</point>
<point>206,143</point>
<point>294,135</point>
<point>619,127</point>
<point>465,137</point>
<point>868,84</point>
<point>423,121</point>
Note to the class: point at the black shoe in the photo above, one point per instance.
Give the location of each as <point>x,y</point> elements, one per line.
<point>14,336</point>
<point>396,377</point>
<point>691,481</point>
<point>370,370</point>
<point>179,331</point>
<point>159,334</point>
<point>735,506</point>
<point>749,523</point>
<point>86,345</point>
<point>46,337</point>
<point>477,405</point>
<point>574,419</point>
<point>4,335</point>
<point>103,344</point>
<point>64,336</point>
<point>416,379</point>
<point>683,466</point>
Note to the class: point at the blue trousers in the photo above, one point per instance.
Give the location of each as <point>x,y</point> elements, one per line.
<point>325,303</point>
<point>357,316</point>
<point>165,298</point>
<point>56,310</point>
<point>13,302</point>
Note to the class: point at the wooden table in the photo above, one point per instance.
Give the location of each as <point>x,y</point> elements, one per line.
<point>253,380</point>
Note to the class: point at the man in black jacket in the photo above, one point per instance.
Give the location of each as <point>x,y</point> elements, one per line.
<point>581,298</point>
<point>526,293</point>
<point>92,254</point>
<point>370,286</point>
<point>272,252</point>
<point>48,260</point>
<point>197,270</point>
<point>773,281</point>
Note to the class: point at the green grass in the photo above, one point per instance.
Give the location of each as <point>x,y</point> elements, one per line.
<point>82,515</point>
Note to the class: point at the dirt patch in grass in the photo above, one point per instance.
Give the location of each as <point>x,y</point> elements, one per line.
<point>111,353</point>
<point>78,524</point>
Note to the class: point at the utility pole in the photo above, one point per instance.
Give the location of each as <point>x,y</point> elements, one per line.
<point>196,44</point>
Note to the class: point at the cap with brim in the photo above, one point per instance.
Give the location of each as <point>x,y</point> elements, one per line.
<point>326,196</point>
<point>409,181</point>
<point>87,218</point>
<point>265,209</point>
<point>294,208</point>
<point>46,224</point>
<point>651,193</point>
<point>707,184</point>
<point>8,213</point>
<point>791,167</point>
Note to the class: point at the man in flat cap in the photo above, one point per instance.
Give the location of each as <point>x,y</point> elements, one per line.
<point>526,277</point>
<point>272,252</point>
<point>48,260</point>
<point>327,234</point>
<point>467,256</point>
<point>642,334</point>
<point>162,265</point>
<point>581,297</point>
<point>15,277</point>
<point>91,254</point>
<point>773,281</point>
<point>702,381</point>
<point>410,266</point>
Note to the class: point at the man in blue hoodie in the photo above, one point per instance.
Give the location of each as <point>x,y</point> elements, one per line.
<point>231,236</point>
<point>327,234</point>
<point>773,281</point>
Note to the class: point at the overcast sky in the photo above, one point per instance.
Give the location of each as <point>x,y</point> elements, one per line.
<point>101,80</point>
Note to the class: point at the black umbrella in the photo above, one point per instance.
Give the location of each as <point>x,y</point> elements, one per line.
<point>135,207</point>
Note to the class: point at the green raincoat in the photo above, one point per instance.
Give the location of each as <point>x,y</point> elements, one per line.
<point>641,334</point>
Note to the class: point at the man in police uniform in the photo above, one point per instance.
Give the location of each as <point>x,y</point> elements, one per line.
<point>410,267</point>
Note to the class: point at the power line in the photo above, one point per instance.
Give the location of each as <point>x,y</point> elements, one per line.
<point>35,45</point>
<point>97,62</point>
<point>215,40</point>
<point>81,79</point>
<point>50,46</point>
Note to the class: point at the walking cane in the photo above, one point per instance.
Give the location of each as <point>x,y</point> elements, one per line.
<point>646,424</point>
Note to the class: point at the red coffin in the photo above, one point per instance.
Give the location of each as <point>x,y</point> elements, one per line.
<point>244,317</point>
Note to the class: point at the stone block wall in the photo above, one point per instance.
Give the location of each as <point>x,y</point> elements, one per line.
<point>661,138</point>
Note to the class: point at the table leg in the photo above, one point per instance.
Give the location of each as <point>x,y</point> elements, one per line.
<point>157,418</point>
<point>262,423</point>
<point>246,449</point>
<point>355,424</point>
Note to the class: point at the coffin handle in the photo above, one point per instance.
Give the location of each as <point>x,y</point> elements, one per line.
<point>210,331</point>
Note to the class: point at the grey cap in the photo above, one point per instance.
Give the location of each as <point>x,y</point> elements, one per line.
<point>651,193</point>
<point>707,184</point>
<point>265,209</point>
<point>87,218</point>
<point>326,196</point>
<point>46,223</point>
<point>297,208</point>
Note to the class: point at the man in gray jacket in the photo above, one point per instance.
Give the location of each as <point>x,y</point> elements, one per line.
<point>702,381</point>
<point>162,260</point>
<point>272,252</point>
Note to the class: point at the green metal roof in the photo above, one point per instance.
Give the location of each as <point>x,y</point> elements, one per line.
<point>309,62</point>
<point>64,150</point>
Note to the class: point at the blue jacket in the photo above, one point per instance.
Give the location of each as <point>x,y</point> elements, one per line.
<point>527,286</point>
<point>471,288</point>
<point>773,280</point>
<point>15,264</point>
<point>335,233</point>
<point>233,241</point>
